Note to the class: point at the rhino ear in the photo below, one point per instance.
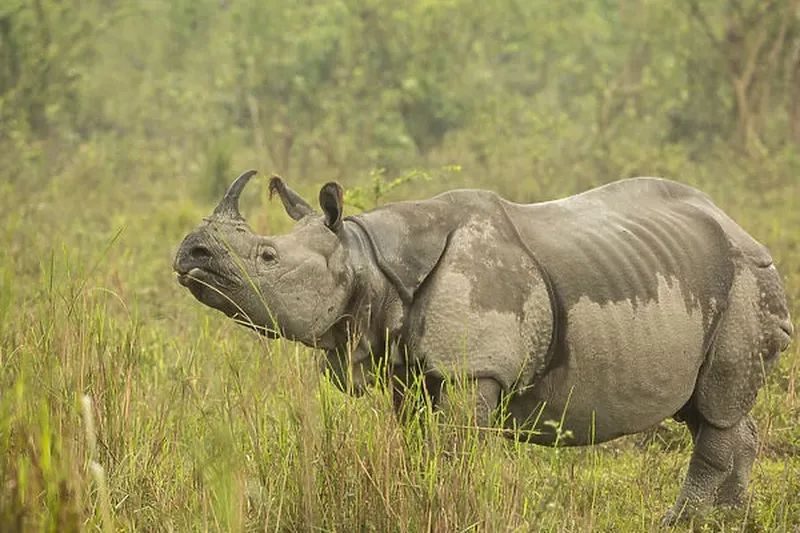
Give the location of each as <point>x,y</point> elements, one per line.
<point>331,200</point>
<point>294,204</point>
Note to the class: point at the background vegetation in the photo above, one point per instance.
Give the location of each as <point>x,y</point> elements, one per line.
<point>126,405</point>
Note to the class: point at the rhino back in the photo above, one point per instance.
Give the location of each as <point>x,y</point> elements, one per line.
<point>615,243</point>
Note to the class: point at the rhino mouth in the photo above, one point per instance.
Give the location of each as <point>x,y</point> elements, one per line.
<point>202,282</point>
<point>212,289</point>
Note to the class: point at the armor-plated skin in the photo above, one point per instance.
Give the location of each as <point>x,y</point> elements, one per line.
<point>611,310</point>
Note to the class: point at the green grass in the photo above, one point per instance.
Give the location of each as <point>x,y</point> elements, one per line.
<point>125,405</point>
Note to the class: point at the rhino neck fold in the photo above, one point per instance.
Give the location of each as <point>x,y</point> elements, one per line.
<point>407,240</point>
<point>375,309</point>
<point>404,292</point>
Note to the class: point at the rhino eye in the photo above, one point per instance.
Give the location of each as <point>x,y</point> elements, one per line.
<point>268,254</point>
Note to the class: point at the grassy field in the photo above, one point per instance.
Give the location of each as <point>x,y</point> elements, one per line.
<point>125,405</point>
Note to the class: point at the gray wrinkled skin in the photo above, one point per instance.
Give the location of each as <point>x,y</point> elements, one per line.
<point>613,309</point>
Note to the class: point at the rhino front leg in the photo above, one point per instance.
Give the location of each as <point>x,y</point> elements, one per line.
<point>413,391</point>
<point>487,398</point>
<point>711,466</point>
<point>481,401</point>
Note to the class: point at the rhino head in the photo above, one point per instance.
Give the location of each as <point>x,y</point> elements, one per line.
<point>295,285</point>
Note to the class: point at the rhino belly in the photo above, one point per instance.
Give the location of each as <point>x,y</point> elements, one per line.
<point>620,368</point>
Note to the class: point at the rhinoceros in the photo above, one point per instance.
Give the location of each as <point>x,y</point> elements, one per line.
<point>611,310</point>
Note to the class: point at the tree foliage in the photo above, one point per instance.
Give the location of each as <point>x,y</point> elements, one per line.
<point>358,85</point>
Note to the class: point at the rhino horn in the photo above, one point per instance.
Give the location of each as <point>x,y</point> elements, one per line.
<point>228,207</point>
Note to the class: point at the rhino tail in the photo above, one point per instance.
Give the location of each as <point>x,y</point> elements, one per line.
<point>788,330</point>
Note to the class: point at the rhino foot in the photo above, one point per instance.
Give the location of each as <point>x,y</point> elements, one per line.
<point>671,517</point>
<point>682,512</point>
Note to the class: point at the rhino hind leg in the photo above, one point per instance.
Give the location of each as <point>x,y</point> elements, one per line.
<point>732,491</point>
<point>719,462</point>
<point>753,331</point>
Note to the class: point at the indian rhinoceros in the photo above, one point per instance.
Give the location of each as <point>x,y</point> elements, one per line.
<point>611,310</point>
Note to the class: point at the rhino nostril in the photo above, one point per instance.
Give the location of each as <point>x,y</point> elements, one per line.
<point>200,252</point>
